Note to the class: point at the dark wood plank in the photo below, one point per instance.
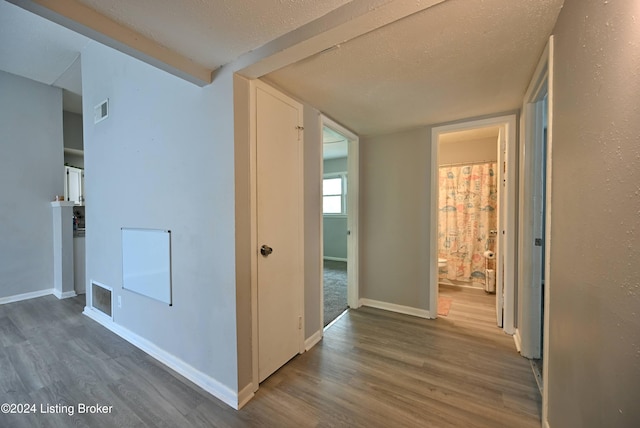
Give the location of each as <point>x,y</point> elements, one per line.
<point>9,333</point>
<point>372,369</point>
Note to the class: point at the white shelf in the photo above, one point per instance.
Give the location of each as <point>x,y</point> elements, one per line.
<point>63,204</point>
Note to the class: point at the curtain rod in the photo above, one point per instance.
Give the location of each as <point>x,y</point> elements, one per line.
<point>466,163</point>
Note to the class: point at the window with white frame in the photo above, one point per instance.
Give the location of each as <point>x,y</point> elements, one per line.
<point>334,194</point>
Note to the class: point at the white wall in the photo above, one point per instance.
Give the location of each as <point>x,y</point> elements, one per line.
<point>164,158</point>
<point>395,218</point>
<point>594,284</point>
<point>479,150</point>
<point>31,174</point>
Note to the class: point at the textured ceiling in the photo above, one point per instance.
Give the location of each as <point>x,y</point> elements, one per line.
<point>213,32</point>
<point>455,60</point>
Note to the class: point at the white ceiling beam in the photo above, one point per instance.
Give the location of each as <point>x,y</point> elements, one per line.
<point>338,26</point>
<point>86,21</point>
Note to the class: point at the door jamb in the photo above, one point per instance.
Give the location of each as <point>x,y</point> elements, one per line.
<point>509,124</point>
<point>353,299</point>
<point>547,237</point>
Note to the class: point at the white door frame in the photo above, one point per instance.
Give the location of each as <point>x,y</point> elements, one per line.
<point>531,205</point>
<point>255,356</point>
<point>508,123</point>
<point>502,215</point>
<point>353,297</point>
<point>531,162</point>
<point>547,237</point>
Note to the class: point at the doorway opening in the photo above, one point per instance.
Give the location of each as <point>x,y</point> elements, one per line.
<point>339,225</point>
<point>468,219</point>
<point>472,239</point>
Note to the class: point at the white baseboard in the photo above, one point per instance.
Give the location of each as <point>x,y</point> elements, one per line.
<point>204,381</point>
<point>518,340</point>
<point>546,424</point>
<point>313,340</point>
<point>64,295</point>
<point>334,259</point>
<point>245,395</point>
<point>25,296</point>
<point>98,316</point>
<point>392,307</point>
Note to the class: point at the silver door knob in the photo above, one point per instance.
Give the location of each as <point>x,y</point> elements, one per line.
<point>265,250</point>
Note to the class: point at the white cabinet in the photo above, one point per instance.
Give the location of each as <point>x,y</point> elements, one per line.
<point>74,185</point>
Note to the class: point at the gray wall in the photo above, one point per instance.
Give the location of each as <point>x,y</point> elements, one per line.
<point>334,235</point>
<point>330,166</point>
<point>334,228</point>
<point>164,159</point>
<point>74,160</point>
<point>394,218</point>
<point>73,138</point>
<point>594,361</point>
<point>31,174</point>
<point>243,229</point>
<point>312,219</point>
<point>72,130</point>
<point>484,149</point>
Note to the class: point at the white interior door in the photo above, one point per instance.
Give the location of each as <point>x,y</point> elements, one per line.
<point>534,236</point>
<point>502,215</point>
<point>279,216</point>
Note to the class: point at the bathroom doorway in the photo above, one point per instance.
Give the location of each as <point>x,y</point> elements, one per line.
<point>339,220</point>
<point>468,207</point>
<point>480,157</point>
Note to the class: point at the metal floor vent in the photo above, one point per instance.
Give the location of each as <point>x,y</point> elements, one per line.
<point>101,299</point>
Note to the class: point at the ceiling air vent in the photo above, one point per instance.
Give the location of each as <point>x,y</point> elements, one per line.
<point>101,111</point>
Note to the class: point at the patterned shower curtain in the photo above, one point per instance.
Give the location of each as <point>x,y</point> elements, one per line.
<point>468,202</point>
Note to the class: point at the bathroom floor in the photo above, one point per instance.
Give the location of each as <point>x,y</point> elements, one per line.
<point>467,284</point>
<point>470,306</point>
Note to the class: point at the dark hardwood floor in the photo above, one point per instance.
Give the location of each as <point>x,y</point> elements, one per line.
<point>372,369</point>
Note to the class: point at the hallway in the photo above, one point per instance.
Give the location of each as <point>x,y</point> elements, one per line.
<point>377,368</point>
<point>373,369</point>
